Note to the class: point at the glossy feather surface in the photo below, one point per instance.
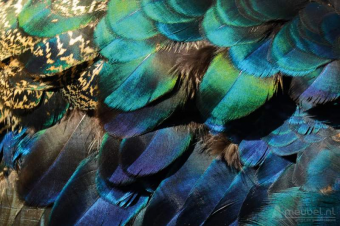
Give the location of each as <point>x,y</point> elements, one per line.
<point>169,112</point>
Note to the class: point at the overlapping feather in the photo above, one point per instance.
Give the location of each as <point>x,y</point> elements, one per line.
<point>138,66</point>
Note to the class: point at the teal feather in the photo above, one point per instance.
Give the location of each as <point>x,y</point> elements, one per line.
<point>230,14</point>
<point>253,58</point>
<point>289,206</point>
<point>87,207</point>
<point>227,210</point>
<point>222,34</point>
<point>160,11</point>
<point>162,78</point>
<point>121,83</point>
<point>120,50</point>
<point>181,32</point>
<point>317,168</point>
<point>285,53</point>
<point>191,8</point>
<point>122,18</point>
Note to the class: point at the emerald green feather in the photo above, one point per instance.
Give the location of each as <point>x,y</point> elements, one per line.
<point>127,19</point>
<point>227,93</point>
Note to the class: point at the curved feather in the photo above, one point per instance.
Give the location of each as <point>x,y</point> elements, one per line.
<point>285,52</point>
<point>181,32</point>
<point>206,194</point>
<point>109,168</point>
<point>221,34</point>
<point>317,167</point>
<point>318,87</point>
<point>161,12</point>
<point>129,124</point>
<point>190,7</point>
<point>161,147</point>
<point>162,75</point>
<point>253,58</point>
<point>227,93</point>
<point>123,15</point>
<point>173,191</point>
<point>118,80</point>
<point>253,152</point>
<point>51,161</point>
<point>119,49</point>
<point>226,212</point>
<point>86,207</point>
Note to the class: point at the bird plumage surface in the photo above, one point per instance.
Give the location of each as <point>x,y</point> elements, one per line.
<point>169,112</point>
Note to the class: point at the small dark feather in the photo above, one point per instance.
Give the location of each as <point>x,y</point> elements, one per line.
<point>192,65</point>
<point>219,145</point>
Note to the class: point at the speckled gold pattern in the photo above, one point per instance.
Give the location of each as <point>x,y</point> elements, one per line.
<point>63,51</point>
<point>82,91</point>
<point>33,68</point>
<point>13,41</point>
<point>71,8</point>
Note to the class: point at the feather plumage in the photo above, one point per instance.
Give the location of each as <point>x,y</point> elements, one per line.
<point>43,175</point>
<point>169,112</point>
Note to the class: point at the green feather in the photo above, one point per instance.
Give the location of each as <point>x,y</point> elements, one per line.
<point>227,93</point>
<point>118,49</point>
<point>132,85</point>
<point>127,19</point>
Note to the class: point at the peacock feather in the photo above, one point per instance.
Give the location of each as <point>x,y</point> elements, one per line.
<point>169,112</point>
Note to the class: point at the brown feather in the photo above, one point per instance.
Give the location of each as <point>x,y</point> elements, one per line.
<point>220,146</point>
<point>192,65</point>
<point>13,211</point>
